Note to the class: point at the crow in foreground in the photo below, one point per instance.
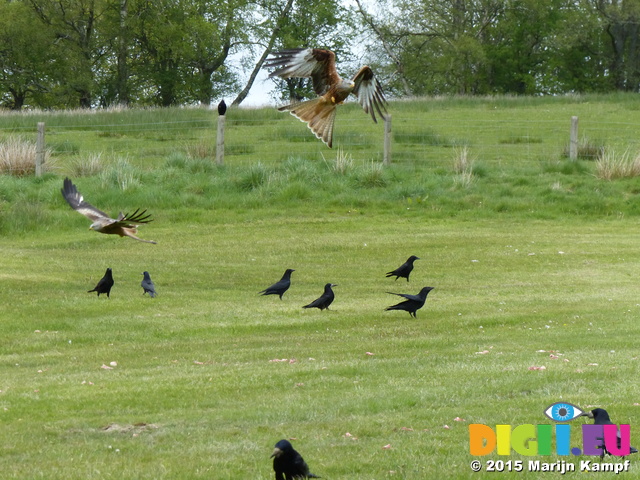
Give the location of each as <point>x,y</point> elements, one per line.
<point>147,285</point>
<point>405,269</point>
<point>280,286</point>
<point>412,303</point>
<point>105,284</point>
<point>289,464</point>
<point>325,299</point>
<point>601,417</point>
<point>222,107</point>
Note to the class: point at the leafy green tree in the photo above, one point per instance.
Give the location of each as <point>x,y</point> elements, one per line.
<point>578,59</point>
<point>508,46</point>
<point>184,47</point>
<point>438,46</point>
<point>28,62</point>
<point>314,24</point>
<point>519,45</point>
<point>266,30</point>
<point>74,24</point>
<point>621,22</point>
<point>299,23</point>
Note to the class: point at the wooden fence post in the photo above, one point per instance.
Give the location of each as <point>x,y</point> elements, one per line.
<point>573,140</point>
<point>220,140</point>
<point>387,140</point>
<point>40,149</point>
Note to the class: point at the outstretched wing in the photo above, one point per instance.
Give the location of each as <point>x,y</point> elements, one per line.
<point>318,64</point>
<point>75,199</point>
<point>136,218</point>
<point>369,93</point>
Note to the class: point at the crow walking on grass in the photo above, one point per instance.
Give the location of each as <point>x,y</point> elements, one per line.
<point>289,464</point>
<point>280,286</point>
<point>147,285</point>
<point>413,303</point>
<point>325,299</point>
<point>405,269</point>
<point>601,417</point>
<point>105,284</point>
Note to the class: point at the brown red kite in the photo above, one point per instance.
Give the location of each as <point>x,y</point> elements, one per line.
<point>331,88</point>
<point>124,225</point>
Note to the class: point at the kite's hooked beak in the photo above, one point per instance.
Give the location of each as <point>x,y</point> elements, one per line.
<point>276,453</point>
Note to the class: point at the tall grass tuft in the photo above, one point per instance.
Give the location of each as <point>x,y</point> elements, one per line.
<point>298,168</point>
<point>371,175</point>
<point>587,149</point>
<point>86,166</point>
<point>342,164</point>
<point>611,166</point>
<point>256,176</point>
<point>121,174</point>
<point>463,166</point>
<point>18,157</point>
<point>195,165</point>
<point>462,160</point>
<point>201,150</point>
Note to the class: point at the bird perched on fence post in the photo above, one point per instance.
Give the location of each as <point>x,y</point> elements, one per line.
<point>222,107</point>
<point>105,284</point>
<point>325,299</point>
<point>413,303</point>
<point>124,225</point>
<point>280,286</point>
<point>320,65</point>
<point>147,285</point>
<point>405,269</point>
<point>289,464</point>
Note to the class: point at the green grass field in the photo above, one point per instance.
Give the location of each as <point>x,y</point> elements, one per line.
<point>534,261</point>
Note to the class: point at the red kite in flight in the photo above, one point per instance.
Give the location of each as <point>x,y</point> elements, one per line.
<point>331,88</point>
<point>124,225</point>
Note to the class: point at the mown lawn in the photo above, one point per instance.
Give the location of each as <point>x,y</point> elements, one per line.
<point>533,265</point>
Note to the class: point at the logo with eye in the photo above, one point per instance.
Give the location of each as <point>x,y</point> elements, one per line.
<point>562,412</point>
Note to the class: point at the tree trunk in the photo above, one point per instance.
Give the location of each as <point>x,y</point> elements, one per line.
<point>274,35</point>
<point>387,48</point>
<point>122,80</point>
<point>18,98</point>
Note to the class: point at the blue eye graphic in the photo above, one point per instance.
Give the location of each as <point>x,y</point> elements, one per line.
<point>562,412</point>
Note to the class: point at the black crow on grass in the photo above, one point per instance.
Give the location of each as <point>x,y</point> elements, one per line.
<point>280,286</point>
<point>289,464</point>
<point>405,269</point>
<point>413,303</point>
<point>105,284</point>
<point>325,299</point>
<point>601,417</point>
<point>147,285</point>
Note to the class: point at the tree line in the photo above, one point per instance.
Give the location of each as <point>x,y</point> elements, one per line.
<point>88,53</point>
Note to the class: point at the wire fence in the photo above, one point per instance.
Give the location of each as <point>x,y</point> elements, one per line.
<point>431,138</point>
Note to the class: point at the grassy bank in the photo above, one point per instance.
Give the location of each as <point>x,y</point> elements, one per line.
<point>533,264</point>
